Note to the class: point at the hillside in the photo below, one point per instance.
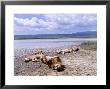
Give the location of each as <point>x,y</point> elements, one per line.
<point>87,34</point>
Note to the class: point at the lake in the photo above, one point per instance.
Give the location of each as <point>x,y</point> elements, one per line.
<point>50,43</point>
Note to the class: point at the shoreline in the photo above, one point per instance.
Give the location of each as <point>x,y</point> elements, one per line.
<point>57,39</point>
<point>83,63</point>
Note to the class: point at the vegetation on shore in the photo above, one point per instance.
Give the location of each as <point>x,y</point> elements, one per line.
<point>89,45</point>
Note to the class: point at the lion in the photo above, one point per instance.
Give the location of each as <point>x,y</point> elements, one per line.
<point>71,50</point>
<point>54,62</point>
<point>35,57</point>
<point>30,58</point>
<point>63,51</point>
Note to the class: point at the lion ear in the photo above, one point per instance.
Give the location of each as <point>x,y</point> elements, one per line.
<point>41,51</point>
<point>49,62</point>
<point>63,66</point>
<point>35,53</point>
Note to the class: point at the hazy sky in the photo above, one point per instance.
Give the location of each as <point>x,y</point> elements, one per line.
<point>30,24</point>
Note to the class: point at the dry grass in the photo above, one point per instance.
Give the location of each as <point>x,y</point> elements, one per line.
<point>89,46</point>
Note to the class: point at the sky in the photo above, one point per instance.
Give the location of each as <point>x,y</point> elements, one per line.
<point>32,24</point>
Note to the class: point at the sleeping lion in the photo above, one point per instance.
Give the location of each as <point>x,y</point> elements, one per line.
<point>35,57</point>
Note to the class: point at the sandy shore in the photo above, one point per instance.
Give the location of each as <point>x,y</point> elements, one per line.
<point>82,63</point>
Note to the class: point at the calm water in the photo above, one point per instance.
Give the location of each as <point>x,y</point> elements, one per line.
<point>50,43</point>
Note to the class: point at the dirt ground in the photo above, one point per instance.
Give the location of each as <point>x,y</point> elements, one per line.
<point>81,63</point>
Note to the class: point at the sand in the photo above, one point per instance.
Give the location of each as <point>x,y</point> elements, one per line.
<point>81,63</point>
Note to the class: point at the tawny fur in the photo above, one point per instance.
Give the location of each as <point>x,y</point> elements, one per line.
<point>54,62</point>
<point>30,58</point>
<point>35,57</point>
<point>63,51</point>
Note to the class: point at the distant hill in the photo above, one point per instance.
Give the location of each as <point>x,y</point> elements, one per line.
<point>87,34</point>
